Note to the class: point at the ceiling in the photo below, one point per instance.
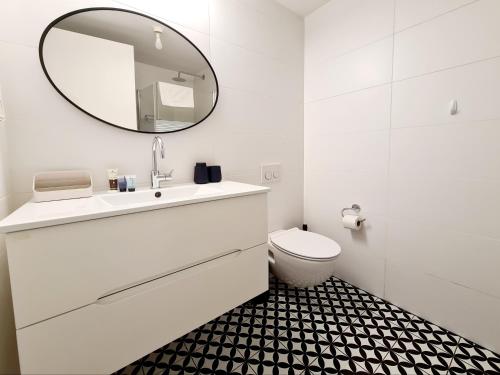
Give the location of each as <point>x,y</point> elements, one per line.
<point>302,7</point>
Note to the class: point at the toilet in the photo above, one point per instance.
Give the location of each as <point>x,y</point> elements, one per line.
<point>300,258</point>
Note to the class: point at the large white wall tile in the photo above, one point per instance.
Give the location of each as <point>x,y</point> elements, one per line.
<point>369,273</point>
<point>341,26</point>
<point>459,309</point>
<point>411,12</point>
<point>362,110</point>
<point>240,68</point>
<point>243,112</point>
<point>467,206</point>
<point>469,260</point>
<point>328,192</point>
<point>249,27</point>
<point>363,68</point>
<point>469,34</point>
<point>426,100</point>
<point>35,17</point>
<point>356,151</point>
<point>462,151</point>
<point>193,14</point>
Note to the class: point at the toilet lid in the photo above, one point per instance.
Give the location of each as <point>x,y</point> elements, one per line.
<point>306,244</point>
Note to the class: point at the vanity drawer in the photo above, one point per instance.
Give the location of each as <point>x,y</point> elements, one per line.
<point>107,335</point>
<point>57,269</point>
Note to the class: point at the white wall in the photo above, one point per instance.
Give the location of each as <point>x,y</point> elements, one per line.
<point>8,352</point>
<point>379,77</point>
<point>256,48</point>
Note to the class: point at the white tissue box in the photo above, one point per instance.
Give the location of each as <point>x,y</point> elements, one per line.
<point>59,185</point>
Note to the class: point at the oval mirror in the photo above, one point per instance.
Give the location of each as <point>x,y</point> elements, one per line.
<point>128,70</point>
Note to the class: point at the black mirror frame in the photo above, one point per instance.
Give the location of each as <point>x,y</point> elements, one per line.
<point>83,10</point>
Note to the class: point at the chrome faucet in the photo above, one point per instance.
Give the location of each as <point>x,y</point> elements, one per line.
<point>156,176</point>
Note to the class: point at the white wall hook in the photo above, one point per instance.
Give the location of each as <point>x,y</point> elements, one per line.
<point>454,107</point>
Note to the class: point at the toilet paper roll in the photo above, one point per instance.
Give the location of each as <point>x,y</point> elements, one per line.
<point>352,222</point>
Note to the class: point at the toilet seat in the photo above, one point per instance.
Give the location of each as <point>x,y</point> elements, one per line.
<point>305,245</point>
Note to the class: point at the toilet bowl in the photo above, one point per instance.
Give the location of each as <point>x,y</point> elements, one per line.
<point>301,259</point>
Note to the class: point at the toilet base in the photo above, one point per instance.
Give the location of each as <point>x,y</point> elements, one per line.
<point>302,281</point>
<point>299,273</point>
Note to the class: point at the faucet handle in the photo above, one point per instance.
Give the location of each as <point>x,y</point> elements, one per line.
<point>169,174</point>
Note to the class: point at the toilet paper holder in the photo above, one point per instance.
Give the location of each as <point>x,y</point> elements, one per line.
<point>355,207</point>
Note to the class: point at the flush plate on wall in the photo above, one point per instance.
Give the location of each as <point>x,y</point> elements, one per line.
<point>270,173</point>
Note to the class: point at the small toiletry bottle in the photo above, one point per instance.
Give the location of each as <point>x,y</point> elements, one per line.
<point>113,178</point>
<point>130,182</point>
<point>122,183</point>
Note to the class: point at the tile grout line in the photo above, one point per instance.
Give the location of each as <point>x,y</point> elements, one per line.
<point>392,81</point>
<point>454,354</point>
<point>394,32</point>
<point>389,150</point>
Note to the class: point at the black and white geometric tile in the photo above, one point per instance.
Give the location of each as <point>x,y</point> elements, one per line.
<point>334,328</point>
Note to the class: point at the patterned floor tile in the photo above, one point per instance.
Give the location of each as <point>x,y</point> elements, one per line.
<point>335,363</point>
<point>171,359</point>
<point>132,369</point>
<point>393,364</point>
<point>359,348</point>
<point>211,348</point>
<point>422,354</point>
<point>476,358</point>
<point>440,338</point>
<point>333,328</point>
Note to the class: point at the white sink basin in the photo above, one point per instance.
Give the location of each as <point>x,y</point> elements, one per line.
<point>170,194</point>
<point>38,215</point>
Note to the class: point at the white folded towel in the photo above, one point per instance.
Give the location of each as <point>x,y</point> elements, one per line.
<point>176,95</point>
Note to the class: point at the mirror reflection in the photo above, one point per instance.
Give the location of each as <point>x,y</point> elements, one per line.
<point>128,70</point>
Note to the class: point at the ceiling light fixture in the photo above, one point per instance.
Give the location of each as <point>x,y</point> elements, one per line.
<point>158,31</point>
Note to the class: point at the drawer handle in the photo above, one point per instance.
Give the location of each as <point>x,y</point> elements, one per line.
<point>149,284</point>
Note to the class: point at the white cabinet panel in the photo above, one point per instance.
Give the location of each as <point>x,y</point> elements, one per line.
<point>103,337</point>
<point>57,269</point>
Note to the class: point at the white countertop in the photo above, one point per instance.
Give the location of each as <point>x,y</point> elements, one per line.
<point>106,204</point>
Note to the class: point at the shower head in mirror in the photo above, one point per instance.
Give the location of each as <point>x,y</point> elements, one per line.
<point>178,78</point>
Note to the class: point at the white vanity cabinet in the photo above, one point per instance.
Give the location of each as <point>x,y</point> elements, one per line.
<point>92,296</point>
